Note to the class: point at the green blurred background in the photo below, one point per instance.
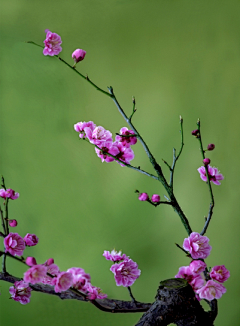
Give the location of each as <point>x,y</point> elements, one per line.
<point>175,57</point>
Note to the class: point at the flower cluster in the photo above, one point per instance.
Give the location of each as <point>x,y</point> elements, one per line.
<point>205,286</point>
<point>119,149</point>
<point>15,244</point>
<point>125,270</point>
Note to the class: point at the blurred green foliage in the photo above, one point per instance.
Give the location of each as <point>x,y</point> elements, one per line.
<point>175,57</point>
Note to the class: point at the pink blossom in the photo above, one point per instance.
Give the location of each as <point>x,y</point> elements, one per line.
<point>114,255</point>
<point>125,154</point>
<point>78,55</point>
<point>197,245</point>
<point>35,274</point>
<point>9,193</point>
<point>52,44</point>
<point>213,173</point>
<point>80,127</point>
<point>20,292</point>
<point>195,280</point>
<point>12,223</point>
<point>31,239</point>
<point>63,282</point>
<point>94,292</point>
<point>107,147</point>
<point>155,198</point>
<point>31,261</point>
<point>80,278</point>
<point>220,273</point>
<point>197,266</point>
<point>14,244</point>
<point>99,136</point>
<point>143,196</point>
<point>126,141</point>
<point>211,290</point>
<point>126,272</point>
<point>53,270</point>
<point>49,262</point>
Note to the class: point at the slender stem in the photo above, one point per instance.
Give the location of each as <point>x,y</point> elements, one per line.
<point>134,109</point>
<point>130,293</point>
<point>6,216</point>
<point>186,252</point>
<point>2,219</point>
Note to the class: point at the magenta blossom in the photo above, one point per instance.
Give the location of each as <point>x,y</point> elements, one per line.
<point>143,196</point>
<point>52,43</point>
<point>197,266</point>
<point>80,127</point>
<point>197,245</point>
<point>114,255</point>
<point>78,55</point>
<point>155,198</point>
<point>53,270</point>
<point>35,274</point>
<point>98,136</point>
<point>125,154</point>
<point>126,141</point>
<point>14,244</point>
<point>12,223</point>
<point>220,273</point>
<point>9,193</point>
<point>195,280</point>
<point>94,292</point>
<point>31,240</point>
<point>107,147</point>
<point>31,261</point>
<point>126,272</point>
<point>49,262</point>
<point>80,278</point>
<point>63,282</point>
<point>213,173</point>
<point>20,292</point>
<point>211,290</point>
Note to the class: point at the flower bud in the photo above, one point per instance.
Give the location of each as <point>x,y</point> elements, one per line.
<point>155,198</point>
<point>210,147</point>
<point>195,132</point>
<point>31,261</point>
<point>50,261</point>
<point>206,161</point>
<point>143,196</point>
<point>12,223</point>
<point>78,55</point>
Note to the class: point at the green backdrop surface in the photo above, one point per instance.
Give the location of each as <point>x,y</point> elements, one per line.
<point>176,58</point>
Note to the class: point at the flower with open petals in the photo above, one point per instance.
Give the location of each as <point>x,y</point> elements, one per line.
<point>63,282</point>
<point>94,292</point>
<point>197,245</point>
<point>80,278</point>
<point>220,273</point>
<point>211,290</point>
<point>14,244</point>
<point>213,173</point>
<point>80,127</point>
<point>125,154</point>
<point>20,292</point>
<point>9,193</point>
<point>126,141</point>
<point>125,272</point>
<point>114,255</point>
<point>35,274</point>
<point>31,239</point>
<point>52,44</point>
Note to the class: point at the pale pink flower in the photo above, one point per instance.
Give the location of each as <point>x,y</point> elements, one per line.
<point>80,278</point>
<point>31,240</point>
<point>94,292</point>
<point>197,245</point>
<point>126,141</point>
<point>155,198</point>
<point>35,274</point>
<point>13,223</point>
<point>52,44</point>
<point>220,273</point>
<point>107,147</point>
<point>78,55</point>
<point>197,266</point>
<point>63,282</point>
<point>211,290</point>
<point>14,244</point>
<point>143,196</point>
<point>125,154</point>
<point>53,270</point>
<point>31,261</point>
<point>20,292</point>
<point>98,136</point>
<point>126,272</point>
<point>9,193</point>
<point>80,127</point>
<point>114,255</point>
<point>213,173</point>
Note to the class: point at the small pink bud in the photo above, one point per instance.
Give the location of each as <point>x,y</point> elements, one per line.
<point>206,161</point>
<point>78,55</point>
<point>31,261</point>
<point>210,147</point>
<point>50,261</point>
<point>12,223</point>
<point>155,198</point>
<point>143,196</point>
<point>195,132</point>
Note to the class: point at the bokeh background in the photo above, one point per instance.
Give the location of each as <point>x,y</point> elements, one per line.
<point>175,57</point>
